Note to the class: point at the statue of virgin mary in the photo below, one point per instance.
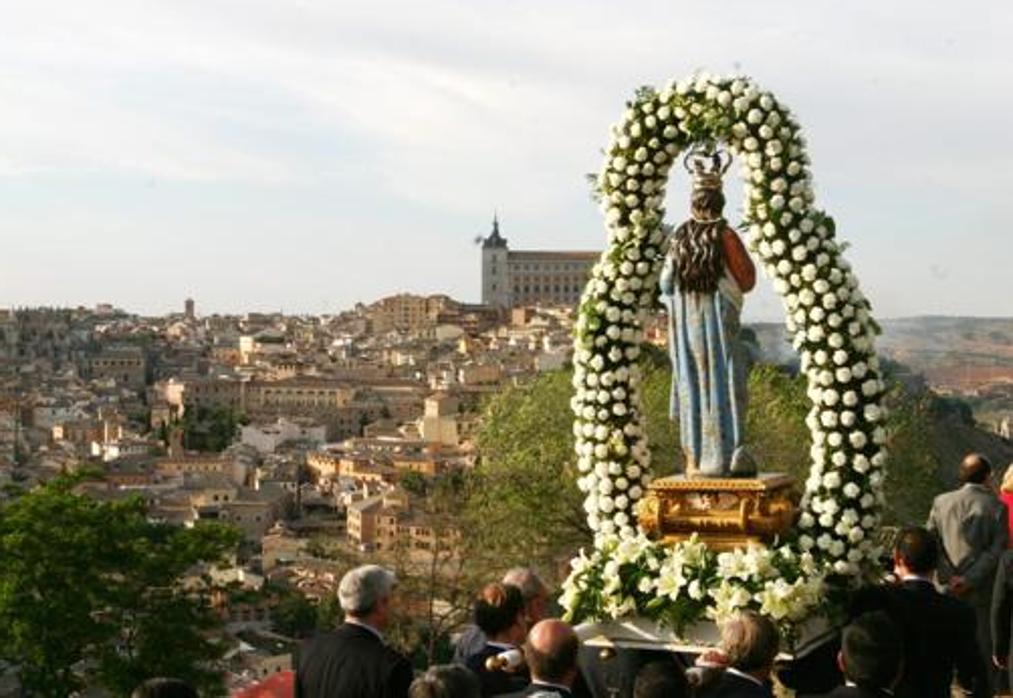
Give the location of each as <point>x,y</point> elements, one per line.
<point>705,275</point>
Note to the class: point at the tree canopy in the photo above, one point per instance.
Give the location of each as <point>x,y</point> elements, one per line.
<point>524,502</point>
<point>91,592</point>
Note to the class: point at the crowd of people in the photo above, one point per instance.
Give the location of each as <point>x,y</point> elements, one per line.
<point>942,616</point>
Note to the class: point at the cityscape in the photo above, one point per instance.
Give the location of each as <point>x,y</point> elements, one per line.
<point>461,350</point>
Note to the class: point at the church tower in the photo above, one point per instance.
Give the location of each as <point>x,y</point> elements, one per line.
<point>495,275</point>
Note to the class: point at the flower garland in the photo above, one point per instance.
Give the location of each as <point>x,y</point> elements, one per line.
<point>825,312</point>
<point>679,584</point>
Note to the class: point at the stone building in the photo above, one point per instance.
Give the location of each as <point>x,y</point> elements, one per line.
<point>513,278</point>
<point>408,313</point>
<point>126,365</point>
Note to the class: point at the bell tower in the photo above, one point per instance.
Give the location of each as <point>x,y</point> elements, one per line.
<point>495,276</point>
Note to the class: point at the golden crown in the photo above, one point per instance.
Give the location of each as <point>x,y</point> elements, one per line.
<point>707,166</point>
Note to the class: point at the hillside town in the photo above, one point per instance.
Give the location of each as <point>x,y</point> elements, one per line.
<point>295,429</point>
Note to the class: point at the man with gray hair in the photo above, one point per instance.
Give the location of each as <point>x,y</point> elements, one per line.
<point>749,643</point>
<point>353,661</point>
<point>536,598</point>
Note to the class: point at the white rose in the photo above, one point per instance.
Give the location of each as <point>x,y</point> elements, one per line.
<point>861,463</point>
<point>831,480</point>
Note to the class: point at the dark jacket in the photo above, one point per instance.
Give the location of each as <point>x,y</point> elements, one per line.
<point>1002,605</point>
<point>351,662</point>
<point>1002,608</point>
<point>496,683</point>
<point>939,634</point>
<point>854,692</point>
<point>732,686</point>
<point>541,690</point>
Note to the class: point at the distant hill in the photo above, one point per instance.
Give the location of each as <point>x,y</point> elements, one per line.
<point>963,356</point>
<point>969,359</point>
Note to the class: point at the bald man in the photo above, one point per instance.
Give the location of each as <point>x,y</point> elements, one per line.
<point>551,655</point>
<point>971,524</point>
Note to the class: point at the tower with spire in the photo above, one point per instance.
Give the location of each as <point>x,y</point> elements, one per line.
<point>495,277</point>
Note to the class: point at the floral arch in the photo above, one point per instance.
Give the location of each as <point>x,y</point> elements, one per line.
<point>831,327</point>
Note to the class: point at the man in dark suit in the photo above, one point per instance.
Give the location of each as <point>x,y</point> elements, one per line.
<point>939,631</point>
<point>536,600</point>
<point>871,657</point>
<point>551,656</point>
<point>499,614</point>
<point>972,526</point>
<point>1002,613</point>
<point>661,678</point>
<point>749,643</point>
<point>353,661</point>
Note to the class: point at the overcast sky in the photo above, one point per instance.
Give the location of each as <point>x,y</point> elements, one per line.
<point>307,155</point>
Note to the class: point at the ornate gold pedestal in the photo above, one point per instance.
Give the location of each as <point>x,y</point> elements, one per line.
<point>724,513</point>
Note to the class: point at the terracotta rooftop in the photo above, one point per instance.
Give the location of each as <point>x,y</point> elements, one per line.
<point>280,685</point>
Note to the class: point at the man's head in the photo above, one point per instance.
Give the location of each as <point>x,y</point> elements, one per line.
<point>365,594</point>
<point>536,596</point>
<point>872,651</point>
<point>499,613</point>
<point>915,551</point>
<point>661,679</point>
<point>750,642</point>
<point>446,681</point>
<point>975,468</point>
<point>551,652</point>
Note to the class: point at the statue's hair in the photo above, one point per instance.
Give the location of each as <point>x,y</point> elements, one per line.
<point>696,246</point>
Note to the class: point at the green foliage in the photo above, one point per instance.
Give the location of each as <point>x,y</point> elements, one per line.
<point>523,502</point>
<point>210,428</point>
<point>912,472</point>
<point>414,483</point>
<point>92,583</point>
<point>775,421</point>
<point>295,615</point>
<point>329,613</point>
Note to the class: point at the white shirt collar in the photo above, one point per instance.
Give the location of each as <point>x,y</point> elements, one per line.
<point>367,626</point>
<point>549,684</point>
<point>887,691</point>
<point>916,578</point>
<point>735,672</point>
<point>500,645</point>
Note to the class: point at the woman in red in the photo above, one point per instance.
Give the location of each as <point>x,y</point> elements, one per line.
<point>1006,495</point>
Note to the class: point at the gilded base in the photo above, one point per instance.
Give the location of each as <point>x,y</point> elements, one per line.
<point>724,513</point>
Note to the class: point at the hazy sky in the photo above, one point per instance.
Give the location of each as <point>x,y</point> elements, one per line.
<point>307,155</point>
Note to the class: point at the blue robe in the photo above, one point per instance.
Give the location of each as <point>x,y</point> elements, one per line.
<point>709,371</point>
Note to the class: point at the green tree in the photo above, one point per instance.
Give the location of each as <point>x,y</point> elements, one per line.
<point>95,585</point>
<point>295,615</point>
<point>415,483</point>
<point>523,502</point>
<point>210,428</point>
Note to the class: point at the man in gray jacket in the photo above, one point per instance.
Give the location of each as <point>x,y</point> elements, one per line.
<point>971,524</point>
